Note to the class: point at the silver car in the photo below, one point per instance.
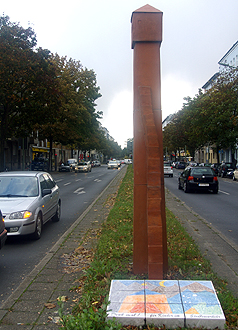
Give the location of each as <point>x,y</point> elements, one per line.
<point>28,200</point>
<point>3,232</point>
<point>112,164</point>
<point>168,169</point>
<point>83,167</point>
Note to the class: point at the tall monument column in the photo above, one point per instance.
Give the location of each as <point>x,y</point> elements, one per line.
<point>150,240</point>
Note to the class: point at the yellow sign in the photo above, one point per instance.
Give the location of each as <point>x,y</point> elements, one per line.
<point>39,149</point>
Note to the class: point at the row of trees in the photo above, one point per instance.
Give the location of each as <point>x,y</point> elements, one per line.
<point>48,94</point>
<point>210,118</point>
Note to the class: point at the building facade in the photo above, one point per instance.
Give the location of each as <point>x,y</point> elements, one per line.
<point>229,60</point>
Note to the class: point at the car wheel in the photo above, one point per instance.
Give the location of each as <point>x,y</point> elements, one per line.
<point>179,186</point>
<point>38,229</point>
<point>185,187</point>
<point>56,217</point>
<point>233,178</point>
<point>215,191</point>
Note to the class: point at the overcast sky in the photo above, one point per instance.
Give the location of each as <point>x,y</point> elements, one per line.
<point>196,35</point>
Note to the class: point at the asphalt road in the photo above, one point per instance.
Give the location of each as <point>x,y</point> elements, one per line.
<point>220,209</point>
<point>20,255</point>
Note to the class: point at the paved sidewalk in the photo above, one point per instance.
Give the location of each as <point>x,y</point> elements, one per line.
<point>34,304</point>
<point>222,253</point>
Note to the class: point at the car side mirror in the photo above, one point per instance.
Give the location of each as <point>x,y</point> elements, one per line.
<point>46,192</point>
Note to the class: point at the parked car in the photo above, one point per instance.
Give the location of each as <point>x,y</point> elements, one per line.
<point>3,231</point>
<point>192,164</point>
<point>127,161</point>
<point>224,168</point>
<point>235,174</point>
<point>28,200</point>
<point>39,164</point>
<point>198,178</point>
<point>72,162</point>
<point>65,167</point>
<point>96,163</point>
<point>113,164</point>
<point>168,169</point>
<point>83,167</point>
<point>181,165</point>
<point>230,174</point>
<point>215,167</point>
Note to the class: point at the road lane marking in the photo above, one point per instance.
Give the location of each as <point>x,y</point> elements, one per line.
<point>66,184</point>
<point>80,191</point>
<point>97,180</point>
<point>223,192</point>
<point>58,180</point>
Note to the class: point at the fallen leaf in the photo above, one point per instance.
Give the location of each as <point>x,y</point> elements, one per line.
<point>49,305</point>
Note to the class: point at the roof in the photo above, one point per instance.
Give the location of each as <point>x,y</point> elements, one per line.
<point>211,80</point>
<point>146,9</point>
<point>228,52</point>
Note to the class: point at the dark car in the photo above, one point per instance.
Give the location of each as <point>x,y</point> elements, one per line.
<point>3,231</point>
<point>181,165</point>
<point>198,178</point>
<point>225,168</point>
<point>65,167</point>
<point>215,167</point>
<point>39,164</point>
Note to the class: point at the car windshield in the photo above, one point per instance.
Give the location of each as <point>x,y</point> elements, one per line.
<point>71,161</point>
<point>82,164</point>
<point>23,186</point>
<point>202,171</point>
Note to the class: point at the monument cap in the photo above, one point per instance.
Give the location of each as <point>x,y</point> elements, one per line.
<point>146,25</point>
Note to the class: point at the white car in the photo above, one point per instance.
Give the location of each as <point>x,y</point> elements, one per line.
<point>113,164</point>
<point>235,174</point>
<point>168,169</point>
<point>96,163</point>
<point>83,167</point>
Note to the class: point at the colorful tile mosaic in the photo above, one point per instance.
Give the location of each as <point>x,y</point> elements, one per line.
<point>166,302</point>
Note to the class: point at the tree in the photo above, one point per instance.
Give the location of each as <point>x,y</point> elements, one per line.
<point>26,79</point>
<point>210,118</point>
<point>72,120</point>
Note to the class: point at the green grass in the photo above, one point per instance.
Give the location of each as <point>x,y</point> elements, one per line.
<point>113,260</point>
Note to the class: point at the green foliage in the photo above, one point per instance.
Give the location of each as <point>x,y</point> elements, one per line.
<point>89,318</point>
<point>45,93</point>
<point>209,118</point>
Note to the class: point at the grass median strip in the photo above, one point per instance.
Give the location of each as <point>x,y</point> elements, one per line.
<point>112,259</point>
